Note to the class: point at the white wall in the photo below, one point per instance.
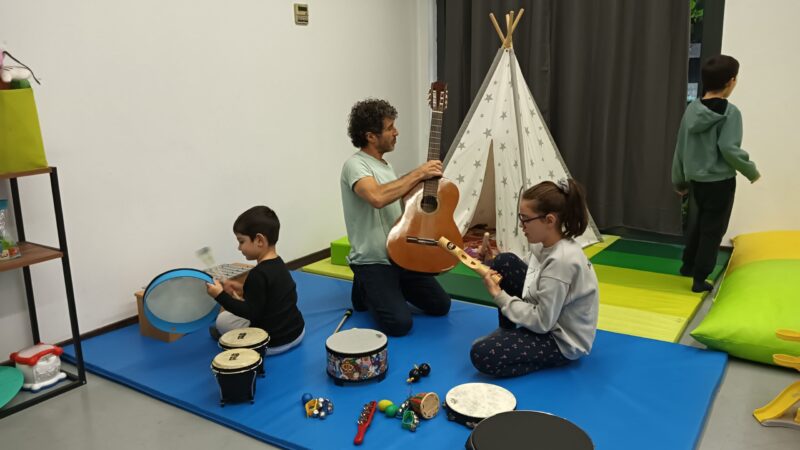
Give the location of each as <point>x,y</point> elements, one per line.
<point>168,119</point>
<point>763,36</point>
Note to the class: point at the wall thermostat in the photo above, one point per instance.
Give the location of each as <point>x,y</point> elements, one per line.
<point>300,14</point>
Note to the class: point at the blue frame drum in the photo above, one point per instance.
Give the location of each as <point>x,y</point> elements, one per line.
<point>177,302</point>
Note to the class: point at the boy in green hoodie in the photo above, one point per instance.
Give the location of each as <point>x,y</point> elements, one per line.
<point>707,156</point>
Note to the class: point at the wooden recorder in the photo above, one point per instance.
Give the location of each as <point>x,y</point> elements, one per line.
<point>468,261</point>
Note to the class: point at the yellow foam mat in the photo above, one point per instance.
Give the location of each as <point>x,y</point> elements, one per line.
<point>645,280</point>
<point>600,246</point>
<point>636,322</point>
<point>765,245</point>
<point>325,267</point>
<point>657,302</point>
<point>645,304</point>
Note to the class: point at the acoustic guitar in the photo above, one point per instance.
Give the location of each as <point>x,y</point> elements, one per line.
<point>413,242</point>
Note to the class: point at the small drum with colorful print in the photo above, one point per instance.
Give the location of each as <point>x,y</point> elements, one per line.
<point>470,403</point>
<point>235,371</point>
<point>252,338</point>
<point>426,404</point>
<point>357,355</point>
<point>528,429</point>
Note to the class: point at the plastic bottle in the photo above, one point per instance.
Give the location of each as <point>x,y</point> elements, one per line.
<point>8,245</point>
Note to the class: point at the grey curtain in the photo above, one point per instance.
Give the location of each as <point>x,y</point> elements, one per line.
<point>610,79</point>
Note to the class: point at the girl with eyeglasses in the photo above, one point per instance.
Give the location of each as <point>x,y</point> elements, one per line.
<point>549,305</point>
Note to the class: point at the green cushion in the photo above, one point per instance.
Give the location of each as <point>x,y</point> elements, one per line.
<point>340,248</point>
<point>754,301</point>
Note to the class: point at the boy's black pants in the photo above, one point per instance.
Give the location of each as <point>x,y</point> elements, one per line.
<point>709,213</point>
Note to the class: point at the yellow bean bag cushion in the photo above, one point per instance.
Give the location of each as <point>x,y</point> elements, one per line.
<point>763,246</point>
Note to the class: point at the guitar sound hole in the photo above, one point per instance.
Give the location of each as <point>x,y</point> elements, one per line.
<point>429,203</point>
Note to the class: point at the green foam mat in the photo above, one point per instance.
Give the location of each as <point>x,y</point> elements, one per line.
<point>651,304</point>
<point>652,257</point>
<point>325,267</point>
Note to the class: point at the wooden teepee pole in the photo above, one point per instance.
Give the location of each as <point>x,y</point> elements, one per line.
<point>497,27</point>
<point>511,25</point>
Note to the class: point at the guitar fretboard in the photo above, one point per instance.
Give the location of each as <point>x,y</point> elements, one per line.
<point>431,187</point>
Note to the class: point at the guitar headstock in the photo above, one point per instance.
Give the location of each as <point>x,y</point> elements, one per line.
<point>437,96</point>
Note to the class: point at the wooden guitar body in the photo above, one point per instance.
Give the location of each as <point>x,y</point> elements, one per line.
<point>413,241</point>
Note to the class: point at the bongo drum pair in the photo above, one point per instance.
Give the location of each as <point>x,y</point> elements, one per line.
<point>252,338</point>
<point>237,367</point>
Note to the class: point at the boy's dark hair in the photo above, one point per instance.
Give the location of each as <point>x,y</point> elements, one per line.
<point>717,71</point>
<point>367,116</point>
<point>258,219</point>
<point>569,206</point>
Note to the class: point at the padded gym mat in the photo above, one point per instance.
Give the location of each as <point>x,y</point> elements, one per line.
<point>624,395</point>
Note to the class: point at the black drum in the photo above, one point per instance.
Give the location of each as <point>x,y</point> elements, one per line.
<point>235,371</point>
<point>529,430</point>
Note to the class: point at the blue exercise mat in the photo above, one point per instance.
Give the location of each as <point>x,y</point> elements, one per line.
<point>630,393</point>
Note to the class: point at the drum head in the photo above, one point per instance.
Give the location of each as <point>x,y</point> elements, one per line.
<point>244,337</point>
<point>528,429</point>
<point>177,302</point>
<point>480,400</point>
<point>11,380</point>
<point>237,359</point>
<point>356,341</point>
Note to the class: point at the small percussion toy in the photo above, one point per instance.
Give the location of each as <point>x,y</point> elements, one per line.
<point>317,408</point>
<point>519,429</point>
<point>364,421</point>
<point>470,403</point>
<point>252,338</point>
<point>356,355</point>
<point>423,370</point>
<point>468,261</point>
<point>425,404</point>
<point>481,269</point>
<point>235,371</point>
<point>410,421</point>
<point>40,366</point>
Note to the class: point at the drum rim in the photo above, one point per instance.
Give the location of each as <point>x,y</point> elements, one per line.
<point>533,411</point>
<point>251,368</point>
<point>355,355</point>
<point>359,354</point>
<point>243,368</point>
<point>177,327</point>
<point>257,346</point>
<point>149,287</point>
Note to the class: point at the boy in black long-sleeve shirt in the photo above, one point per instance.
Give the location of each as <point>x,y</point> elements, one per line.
<point>270,294</point>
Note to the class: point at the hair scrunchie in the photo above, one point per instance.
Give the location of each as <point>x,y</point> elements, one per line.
<point>563,185</point>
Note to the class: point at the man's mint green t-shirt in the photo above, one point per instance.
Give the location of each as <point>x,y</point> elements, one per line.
<point>367,227</point>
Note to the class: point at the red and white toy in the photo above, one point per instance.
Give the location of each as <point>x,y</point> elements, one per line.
<point>41,366</point>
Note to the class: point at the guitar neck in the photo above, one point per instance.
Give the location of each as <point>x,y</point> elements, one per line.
<point>434,150</point>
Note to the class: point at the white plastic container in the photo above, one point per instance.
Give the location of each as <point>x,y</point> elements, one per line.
<point>40,365</point>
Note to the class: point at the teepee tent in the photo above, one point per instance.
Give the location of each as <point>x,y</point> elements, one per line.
<point>503,146</point>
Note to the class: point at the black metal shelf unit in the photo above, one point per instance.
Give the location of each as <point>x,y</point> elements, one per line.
<point>34,254</point>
